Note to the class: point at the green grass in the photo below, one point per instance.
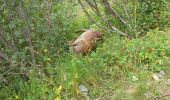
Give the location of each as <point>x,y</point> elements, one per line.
<point>118,69</point>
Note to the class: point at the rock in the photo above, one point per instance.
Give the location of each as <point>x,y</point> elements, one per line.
<point>84,91</point>
<point>155,77</point>
<point>168,82</point>
<point>83,88</point>
<point>158,76</point>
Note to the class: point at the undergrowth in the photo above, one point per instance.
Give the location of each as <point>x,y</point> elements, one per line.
<point>44,68</point>
<point>108,72</point>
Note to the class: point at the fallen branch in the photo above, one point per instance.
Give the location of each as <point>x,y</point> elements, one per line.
<point>2,79</point>
<point>113,12</point>
<point>88,15</point>
<point>107,6</point>
<point>4,57</point>
<point>26,31</point>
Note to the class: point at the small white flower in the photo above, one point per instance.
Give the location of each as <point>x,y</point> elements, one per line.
<point>134,78</point>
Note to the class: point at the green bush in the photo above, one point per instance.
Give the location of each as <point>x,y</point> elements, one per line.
<point>153,13</point>
<point>115,60</point>
<point>52,24</point>
<point>34,31</point>
<point>133,17</point>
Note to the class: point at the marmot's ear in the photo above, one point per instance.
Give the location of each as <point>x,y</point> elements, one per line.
<point>74,44</point>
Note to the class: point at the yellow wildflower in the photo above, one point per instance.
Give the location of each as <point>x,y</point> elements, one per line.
<point>58,90</point>
<point>57,98</point>
<point>16,97</point>
<point>49,59</point>
<point>160,62</point>
<point>45,50</point>
<point>78,91</point>
<point>10,98</point>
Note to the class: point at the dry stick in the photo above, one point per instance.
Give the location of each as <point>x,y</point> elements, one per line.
<point>92,6</point>
<point>3,79</point>
<point>163,96</point>
<point>18,73</point>
<point>127,13</point>
<point>113,27</point>
<point>166,95</point>
<point>113,12</point>
<point>108,23</point>
<point>96,10</point>
<point>90,16</point>
<point>4,57</point>
<point>27,31</point>
<point>11,68</point>
<point>103,19</point>
<point>4,41</point>
<point>49,6</point>
<point>12,37</point>
<point>124,9</point>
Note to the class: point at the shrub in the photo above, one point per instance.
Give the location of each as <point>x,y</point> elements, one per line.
<point>127,18</point>
<point>35,33</point>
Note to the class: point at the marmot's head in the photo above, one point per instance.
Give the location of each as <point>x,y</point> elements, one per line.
<point>98,35</point>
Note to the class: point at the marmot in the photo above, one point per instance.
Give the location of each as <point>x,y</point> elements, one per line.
<point>85,42</point>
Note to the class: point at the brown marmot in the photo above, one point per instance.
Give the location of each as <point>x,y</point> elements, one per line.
<point>85,42</point>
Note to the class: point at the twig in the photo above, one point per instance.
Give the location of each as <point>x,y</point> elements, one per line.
<point>4,40</point>
<point>3,56</point>
<point>88,15</point>
<point>95,9</point>
<point>2,79</point>
<point>125,10</point>
<point>12,36</point>
<point>113,12</point>
<point>27,31</point>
